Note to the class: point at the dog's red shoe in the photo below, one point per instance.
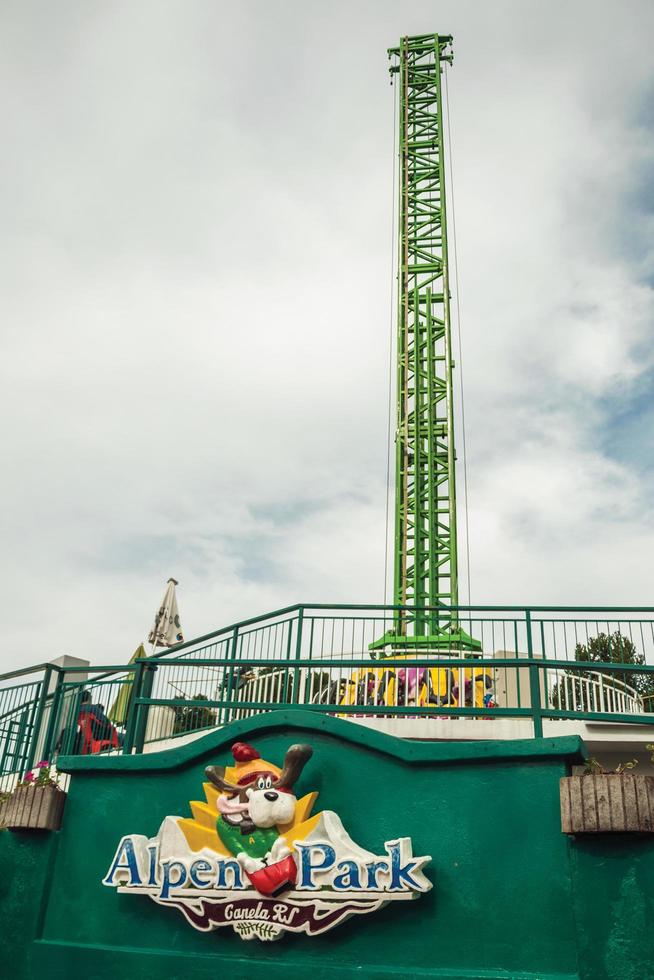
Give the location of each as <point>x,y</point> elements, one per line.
<point>276,878</point>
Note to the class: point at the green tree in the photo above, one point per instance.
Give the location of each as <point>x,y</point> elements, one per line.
<point>190,718</point>
<point>605,648</point>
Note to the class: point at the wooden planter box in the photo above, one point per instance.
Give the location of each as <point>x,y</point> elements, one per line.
<point>33,807</point>
<point>611,803</point>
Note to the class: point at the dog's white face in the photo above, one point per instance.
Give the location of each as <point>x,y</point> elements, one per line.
<point>267,806</point>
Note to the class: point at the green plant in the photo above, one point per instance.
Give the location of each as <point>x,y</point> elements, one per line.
<point>593,767</point>
<point>41,775</point>
<point>189,719</point>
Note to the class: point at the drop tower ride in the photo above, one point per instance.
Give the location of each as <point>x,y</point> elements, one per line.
<point>425,553</point>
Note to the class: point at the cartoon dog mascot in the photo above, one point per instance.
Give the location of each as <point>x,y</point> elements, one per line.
<point>255,811</point>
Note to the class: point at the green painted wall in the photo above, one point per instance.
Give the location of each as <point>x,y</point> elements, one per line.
<point>25,862</point>
<point>512,897</point>
<point>613,886</point>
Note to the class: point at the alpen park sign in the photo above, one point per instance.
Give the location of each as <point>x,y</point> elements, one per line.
<point>253,858</point>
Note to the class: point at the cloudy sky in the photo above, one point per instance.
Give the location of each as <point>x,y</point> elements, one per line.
<point>195,295</point>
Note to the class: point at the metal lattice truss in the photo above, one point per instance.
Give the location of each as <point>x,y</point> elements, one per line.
<point>425,496</point>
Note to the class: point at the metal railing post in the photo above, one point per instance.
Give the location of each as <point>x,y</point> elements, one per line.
<point>53,720</point>
<point>134,711</point>
<point>534,681</point>
<point>147,682</point>
<point>286,692</point>
<point>73,697</point>
<point>38,718</point>
<point>230,678</point>
<point>298,654</point>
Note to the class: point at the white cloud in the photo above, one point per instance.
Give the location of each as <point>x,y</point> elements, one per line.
<point>195,282</point>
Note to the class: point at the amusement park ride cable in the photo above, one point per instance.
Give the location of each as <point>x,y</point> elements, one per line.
<point>458,327</point>
<point>390,345</point>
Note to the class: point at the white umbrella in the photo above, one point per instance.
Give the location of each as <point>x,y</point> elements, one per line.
<point>167,631</point>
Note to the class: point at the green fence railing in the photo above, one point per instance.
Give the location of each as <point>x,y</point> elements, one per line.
<point>538,664</point>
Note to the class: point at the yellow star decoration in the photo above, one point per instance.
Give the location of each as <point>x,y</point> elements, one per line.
<point>200,830</point>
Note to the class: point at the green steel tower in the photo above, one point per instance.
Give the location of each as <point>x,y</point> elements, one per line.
<point>425,573</point>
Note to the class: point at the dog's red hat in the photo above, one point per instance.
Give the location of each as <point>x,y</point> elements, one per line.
<point>243,752</point>
<point>245,757</point>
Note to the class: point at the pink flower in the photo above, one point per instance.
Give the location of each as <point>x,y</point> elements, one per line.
<point>29,777</point>
<point>42,765</point>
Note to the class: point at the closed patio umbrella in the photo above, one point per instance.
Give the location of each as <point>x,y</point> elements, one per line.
<point>167,631</point>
